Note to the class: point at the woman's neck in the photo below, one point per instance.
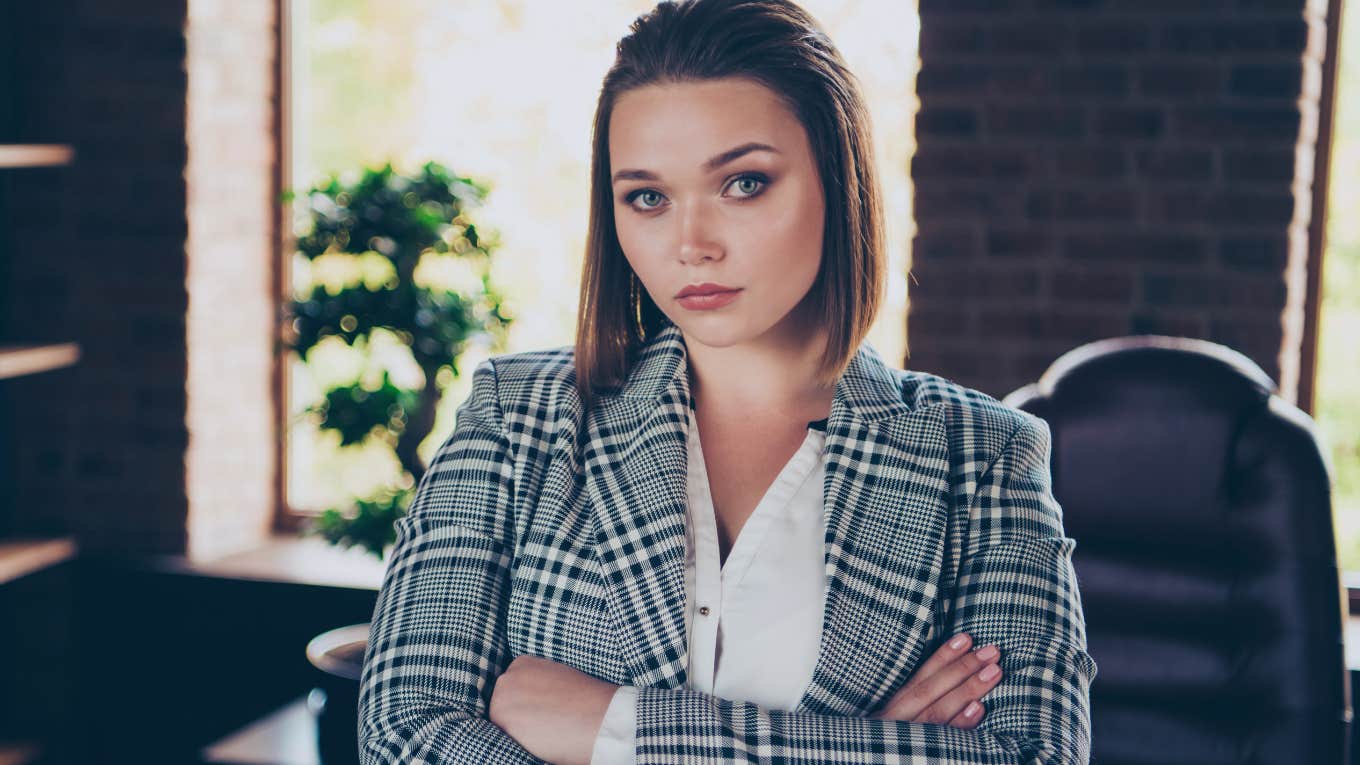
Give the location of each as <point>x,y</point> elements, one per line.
<point>768,377</point>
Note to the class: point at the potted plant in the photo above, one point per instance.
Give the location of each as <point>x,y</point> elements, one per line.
<point>407,223</point>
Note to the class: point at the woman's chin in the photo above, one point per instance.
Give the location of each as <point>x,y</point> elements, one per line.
<point>724,332</point>
<point>714,332</point>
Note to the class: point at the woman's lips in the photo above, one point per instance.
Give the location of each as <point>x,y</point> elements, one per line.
<point>708,302</point>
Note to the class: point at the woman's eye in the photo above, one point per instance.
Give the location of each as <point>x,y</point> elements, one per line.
<point>631,200</point>
<point>646,193</point>
<point>749,185</point>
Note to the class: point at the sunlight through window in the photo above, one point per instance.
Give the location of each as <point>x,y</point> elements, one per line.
<point>504,92</point>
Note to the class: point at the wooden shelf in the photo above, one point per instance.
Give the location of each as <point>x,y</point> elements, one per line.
<point>19,753</point>
<point>35,155</point>
<point>21,557</point>
<point>19,360</point>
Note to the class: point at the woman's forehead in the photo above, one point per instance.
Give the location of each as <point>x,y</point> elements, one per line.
<point>686,124</point>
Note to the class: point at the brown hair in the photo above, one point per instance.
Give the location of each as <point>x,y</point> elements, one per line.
<point>781,46</point>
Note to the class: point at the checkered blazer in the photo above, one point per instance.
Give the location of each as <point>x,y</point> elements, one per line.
<point>539,530</point>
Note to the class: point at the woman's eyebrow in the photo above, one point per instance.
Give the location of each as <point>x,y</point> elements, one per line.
<point>712,164</point>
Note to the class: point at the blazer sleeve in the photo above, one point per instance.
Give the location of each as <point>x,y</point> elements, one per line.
<point>437,641</point>
<point>1016,588</point>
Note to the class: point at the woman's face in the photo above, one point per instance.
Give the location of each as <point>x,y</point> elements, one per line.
<point>714,182</point>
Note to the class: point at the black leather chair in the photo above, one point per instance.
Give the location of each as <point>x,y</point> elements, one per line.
<point>1201,505</point>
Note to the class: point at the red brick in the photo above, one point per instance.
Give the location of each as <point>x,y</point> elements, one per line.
<point>1097,203</point>
<point>1262,164</point>
<point>947,8</point>
<point>946,243</point>
<point>1219,207</point>
<point>966,365</point>
<point>948,122</point>
<point>1262,252</point>
<point>1113,38</point>
<point>1211,290</point>
<point>1169,164</point>
<point>1265,81</point>
<point>951,163</point>
<point>1019,242</point>
<point>1095,82</point>
<point>1217,36</point>
<point>1129,122</point>
<point>1220,123</point>
<point>947,38</point>
<point>1112,287</point>
<point>1179,80</point>
<point>945,81</point>
<point>1084,162</point>
<point>1030,38</point>
<point>953,281</point>
<point>1135,247</point>
<point>1071,327</point>
<point>1032,365</point>
<point>1020,81</point>
<point>946,321</point>
<point>1051,122</point>
<point>1166,323</point>
<point>966,203</point>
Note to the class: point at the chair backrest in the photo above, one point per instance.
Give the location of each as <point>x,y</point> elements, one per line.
<point>1201,505</point>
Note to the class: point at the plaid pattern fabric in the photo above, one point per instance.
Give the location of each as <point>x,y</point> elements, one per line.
<point>538,530</point>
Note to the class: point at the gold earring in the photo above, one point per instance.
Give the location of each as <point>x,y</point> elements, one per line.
<point>635,303</point>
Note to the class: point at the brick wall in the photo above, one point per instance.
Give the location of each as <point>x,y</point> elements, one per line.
<point>168,198</point>
<point>1094,168</point>
<point>97,256</point>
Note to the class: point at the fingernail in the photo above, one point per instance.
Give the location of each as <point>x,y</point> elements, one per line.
<point>958,642</point>
<point>990,672</point>
<point>987,653</point>
<point>972,709</point>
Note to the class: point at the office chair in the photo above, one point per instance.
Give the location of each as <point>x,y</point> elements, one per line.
<point>1201,505</point>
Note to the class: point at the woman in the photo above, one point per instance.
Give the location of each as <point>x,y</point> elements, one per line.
<point>720,527</point>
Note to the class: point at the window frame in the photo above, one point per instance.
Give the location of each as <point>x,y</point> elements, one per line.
<point>1317,248</point>
<point>286,519</point>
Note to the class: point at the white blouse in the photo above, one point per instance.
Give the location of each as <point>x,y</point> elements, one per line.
<point>754,621</point>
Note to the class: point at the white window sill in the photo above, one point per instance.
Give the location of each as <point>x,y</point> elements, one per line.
<point>290,559</point>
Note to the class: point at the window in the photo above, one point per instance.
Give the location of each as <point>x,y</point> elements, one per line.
<point>504,92</point>
<point>1337,408</point>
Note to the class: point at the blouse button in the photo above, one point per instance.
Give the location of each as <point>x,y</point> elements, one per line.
<point>703,610</point>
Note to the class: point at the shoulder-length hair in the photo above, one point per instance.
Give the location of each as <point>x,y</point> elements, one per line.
<point>781,46</point>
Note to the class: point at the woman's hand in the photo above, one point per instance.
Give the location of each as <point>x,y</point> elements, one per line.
<point>552,710</point>
<point>947,688</point>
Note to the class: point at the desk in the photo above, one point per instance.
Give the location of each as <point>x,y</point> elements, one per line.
<point>286,736</point>
<point>1353,644</point>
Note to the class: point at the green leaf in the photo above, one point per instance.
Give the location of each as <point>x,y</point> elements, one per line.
<point>403,218</point>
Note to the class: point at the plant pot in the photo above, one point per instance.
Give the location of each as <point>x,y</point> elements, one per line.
<point>338,656</point>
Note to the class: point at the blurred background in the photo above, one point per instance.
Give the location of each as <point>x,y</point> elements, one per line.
<point>249,251</point>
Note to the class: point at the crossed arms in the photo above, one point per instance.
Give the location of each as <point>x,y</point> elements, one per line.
<point>438,638</point>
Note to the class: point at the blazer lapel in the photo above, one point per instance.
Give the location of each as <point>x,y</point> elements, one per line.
<point>636,465</point>
<point>885,505</point>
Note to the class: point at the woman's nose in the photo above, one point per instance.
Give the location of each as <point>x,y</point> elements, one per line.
<point>697,239</point>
